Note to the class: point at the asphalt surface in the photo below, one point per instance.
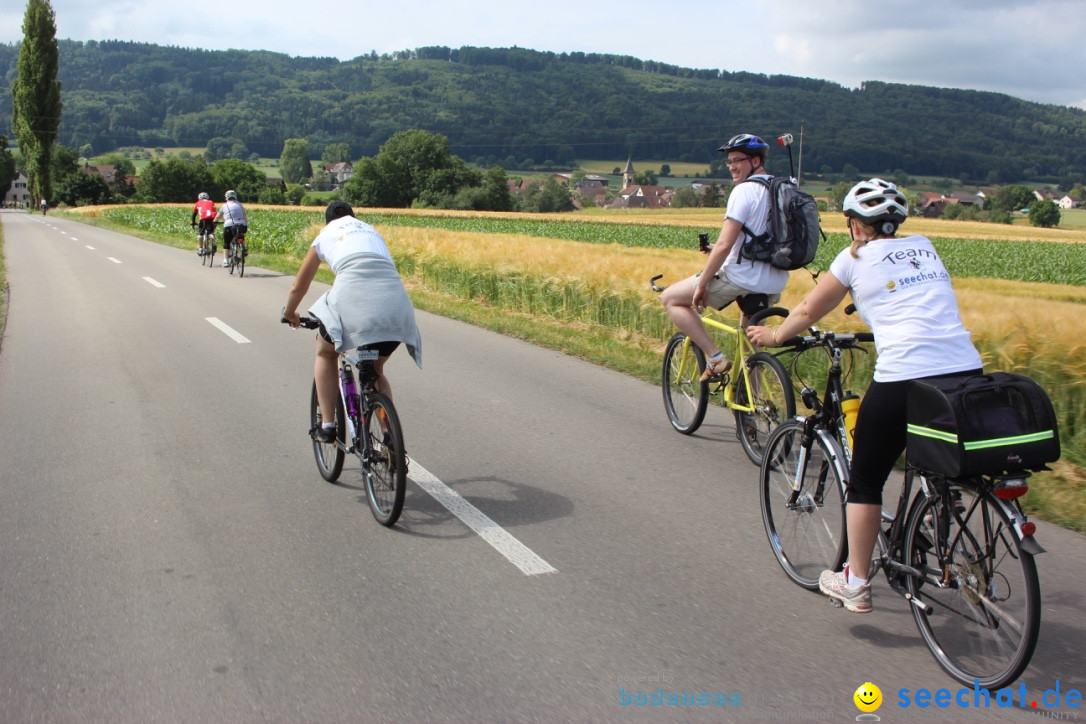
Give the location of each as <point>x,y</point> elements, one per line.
<point>168,551</point>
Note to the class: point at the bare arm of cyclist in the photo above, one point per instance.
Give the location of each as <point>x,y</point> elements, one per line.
<point>823,299</point>
<point>300,287</point>
<point>729,232</point>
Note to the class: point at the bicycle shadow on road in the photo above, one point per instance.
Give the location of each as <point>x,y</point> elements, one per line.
<point>507,503</point>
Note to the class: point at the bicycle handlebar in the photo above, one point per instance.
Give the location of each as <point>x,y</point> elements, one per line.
<point>845,340</point>
<point>306,322</point>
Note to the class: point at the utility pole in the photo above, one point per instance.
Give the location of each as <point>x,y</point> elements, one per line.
<point>799,179</point>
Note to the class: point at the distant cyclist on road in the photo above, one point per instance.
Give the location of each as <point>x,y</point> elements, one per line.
<point>44,206</point>
<point>234,221</point>
<point>725,276</point>
<point>367,305</point>
<point>204,210</point>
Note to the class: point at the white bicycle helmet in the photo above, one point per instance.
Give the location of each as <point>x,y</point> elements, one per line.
<point>203,196</point>
<point>231,196</point>
<point>877,203</point>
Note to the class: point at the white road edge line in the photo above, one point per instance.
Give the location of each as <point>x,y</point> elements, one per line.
<point>115,260</point>
<point>154,282</point>
<point>225,329</point>
<point>518,554</point>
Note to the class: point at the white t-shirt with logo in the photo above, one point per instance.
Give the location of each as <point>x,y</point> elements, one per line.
<point>749,205</point>
<point>347,236</point>
<point>903,293</point>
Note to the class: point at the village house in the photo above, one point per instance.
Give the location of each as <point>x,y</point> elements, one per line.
<point>17,195</point>
<point>107,172</point>
<point>334,175</point>
<point>1068,201</point>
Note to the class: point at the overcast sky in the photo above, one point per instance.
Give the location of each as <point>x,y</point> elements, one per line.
<point>1031,49</point>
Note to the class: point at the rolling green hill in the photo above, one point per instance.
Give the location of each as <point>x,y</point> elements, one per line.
<point>503,106</point>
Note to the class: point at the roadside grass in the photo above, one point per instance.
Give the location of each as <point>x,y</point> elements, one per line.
<point>558,294</point>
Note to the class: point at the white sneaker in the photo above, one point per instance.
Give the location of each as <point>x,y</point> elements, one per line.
<point>226,262</point>
<point>835,585</point>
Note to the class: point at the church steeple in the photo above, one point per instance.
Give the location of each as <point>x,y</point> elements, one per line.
<point>628,174</point>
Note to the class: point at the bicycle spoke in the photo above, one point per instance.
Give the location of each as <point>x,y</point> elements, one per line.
<point>982,589</point>
<point>805,526</point>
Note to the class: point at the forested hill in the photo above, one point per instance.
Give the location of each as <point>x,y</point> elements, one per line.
<point>497,105</point>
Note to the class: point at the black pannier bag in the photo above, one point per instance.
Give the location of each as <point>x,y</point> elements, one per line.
<point>980,425</point>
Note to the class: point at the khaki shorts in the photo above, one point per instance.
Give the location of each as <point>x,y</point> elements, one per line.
<point>722,291</point>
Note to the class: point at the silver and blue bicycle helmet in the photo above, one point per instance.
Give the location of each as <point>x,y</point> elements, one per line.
<point>748,144</point>
<point>204,196</point>
<point>231,196</point>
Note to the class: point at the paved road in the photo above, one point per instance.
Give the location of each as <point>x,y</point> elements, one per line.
<point>168,551</point>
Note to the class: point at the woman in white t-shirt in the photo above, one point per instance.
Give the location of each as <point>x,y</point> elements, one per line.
<point>367,305</point>
<point>903,293</point>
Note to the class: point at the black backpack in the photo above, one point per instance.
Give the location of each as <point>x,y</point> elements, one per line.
<point>792,232</point>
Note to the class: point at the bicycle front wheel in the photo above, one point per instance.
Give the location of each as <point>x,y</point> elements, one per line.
<point>773,402</point>
<point>685,396</point>
<point>802,498</point>
<point>981,586</point>
<point>385,468</point>
<point>329,455</point>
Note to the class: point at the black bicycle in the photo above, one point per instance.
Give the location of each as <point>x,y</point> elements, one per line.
<point>366,426</point>
<point>959,550</point>
<point>238,252</point>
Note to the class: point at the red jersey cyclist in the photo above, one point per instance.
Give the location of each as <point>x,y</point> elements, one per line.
<point>205,211</point>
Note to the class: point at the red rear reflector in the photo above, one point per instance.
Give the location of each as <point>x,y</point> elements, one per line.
<point>1029,528</point>
<point>1011,489</point>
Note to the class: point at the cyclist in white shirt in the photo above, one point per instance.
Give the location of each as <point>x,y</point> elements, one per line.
<point>367,306</point>
<point>725,276</point>
<point>235,223</point>
<point>903,293</point>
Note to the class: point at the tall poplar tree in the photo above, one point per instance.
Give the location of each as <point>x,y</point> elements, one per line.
<point>36,96</point>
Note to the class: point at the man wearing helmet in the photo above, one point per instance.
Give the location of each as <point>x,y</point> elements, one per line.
<point>725,277</point>
<point>903,293</point>
<point>204,210</point>
<point>235,223</point>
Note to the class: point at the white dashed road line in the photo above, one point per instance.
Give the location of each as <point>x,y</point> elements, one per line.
<point>115,260</point>
<point>154,283</point>
<point>227,330</point>
<point>518,554</point>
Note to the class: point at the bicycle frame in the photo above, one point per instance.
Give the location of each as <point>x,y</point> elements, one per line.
<point>356,398</point>
<point>743,347</point>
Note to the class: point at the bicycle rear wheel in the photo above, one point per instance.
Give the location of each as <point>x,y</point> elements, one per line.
<point>385,471</point>
<point>233,260</point>
<point>774,402</point>
<point>983,588</point>
<point>329,455</point>
<point>241,261</point>
<point>805,526</point>
<point>685,396</point>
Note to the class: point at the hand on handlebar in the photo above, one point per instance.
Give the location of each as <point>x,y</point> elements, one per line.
<point>293,319</point>
<point>761,336</point>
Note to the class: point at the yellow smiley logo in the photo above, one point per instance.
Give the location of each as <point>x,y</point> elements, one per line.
<point>868,697</point>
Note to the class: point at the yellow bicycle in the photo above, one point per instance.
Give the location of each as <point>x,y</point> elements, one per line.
<point>757,389</point>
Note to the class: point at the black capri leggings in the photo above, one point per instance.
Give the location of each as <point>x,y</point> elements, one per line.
<point>880,438</point>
